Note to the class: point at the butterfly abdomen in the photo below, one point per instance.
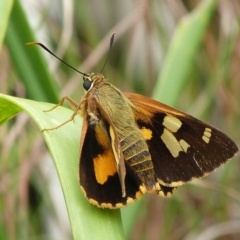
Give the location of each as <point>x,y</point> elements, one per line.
<point>137,156</point>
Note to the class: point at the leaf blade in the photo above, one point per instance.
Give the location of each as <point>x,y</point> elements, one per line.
<point>87,221</point>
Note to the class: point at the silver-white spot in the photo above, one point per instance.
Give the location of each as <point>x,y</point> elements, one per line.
<point>184,145</point>
<point>207,135</point>
<point>171,142</point>
<point>172,123</point>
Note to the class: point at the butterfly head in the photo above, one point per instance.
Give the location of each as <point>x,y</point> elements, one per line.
<point>92,79</point>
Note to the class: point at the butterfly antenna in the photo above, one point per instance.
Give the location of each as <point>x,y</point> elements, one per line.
<point>110,47</point>
<point>46,49</point>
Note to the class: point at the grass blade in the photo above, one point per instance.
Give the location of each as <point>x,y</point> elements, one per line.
<point>183,48</point>
<point>29,63</point>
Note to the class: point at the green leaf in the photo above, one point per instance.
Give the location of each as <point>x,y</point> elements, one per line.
<point>5,8</point>
<point>27,60</point>
<point>182,50</point>
<point>87,221</point>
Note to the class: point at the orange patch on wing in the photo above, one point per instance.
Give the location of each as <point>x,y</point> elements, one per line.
<point>147,133</point>
<point>102,136</point>
<point>104,166</point>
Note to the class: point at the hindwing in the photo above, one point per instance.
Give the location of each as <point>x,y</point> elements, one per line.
<point>99,177</point>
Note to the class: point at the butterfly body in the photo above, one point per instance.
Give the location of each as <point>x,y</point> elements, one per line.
<point>110,114</point>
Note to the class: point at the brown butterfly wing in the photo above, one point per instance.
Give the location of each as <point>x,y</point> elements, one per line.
<point>182,147</point>
<point>99,178</point>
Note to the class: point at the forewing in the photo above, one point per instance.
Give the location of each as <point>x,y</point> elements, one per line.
<point>182,147</point>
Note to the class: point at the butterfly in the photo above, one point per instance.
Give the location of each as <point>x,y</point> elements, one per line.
<point>132,145</point>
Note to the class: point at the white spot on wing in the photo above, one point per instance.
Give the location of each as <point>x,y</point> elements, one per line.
<point>171,142</point>
<point>207,135</point>
<point>184,145</point>
<point>172,123</point>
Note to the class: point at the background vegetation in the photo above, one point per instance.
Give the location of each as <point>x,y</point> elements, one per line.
<point>184,53</point>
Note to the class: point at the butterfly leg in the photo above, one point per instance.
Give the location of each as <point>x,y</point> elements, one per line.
<point>71,102</point>
<point>76,107</point>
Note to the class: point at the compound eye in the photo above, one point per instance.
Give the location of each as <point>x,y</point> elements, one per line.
<point>87,83</point>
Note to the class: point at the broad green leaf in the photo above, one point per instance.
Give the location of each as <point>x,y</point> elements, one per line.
<point>87,221</point>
